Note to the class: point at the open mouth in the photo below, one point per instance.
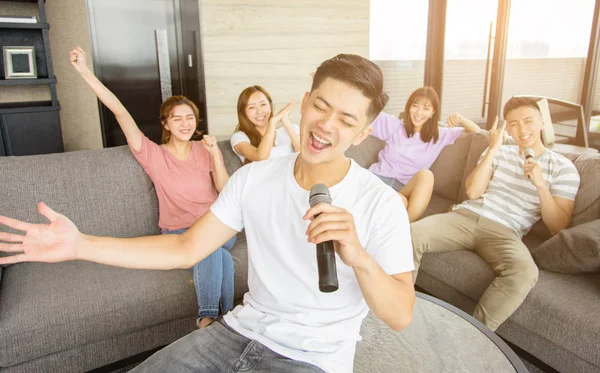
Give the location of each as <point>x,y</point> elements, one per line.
<point>260,118</point>
<point>318,143</point>
<point>525,137</point>
<point>185,132</point>
<point>418,120</point>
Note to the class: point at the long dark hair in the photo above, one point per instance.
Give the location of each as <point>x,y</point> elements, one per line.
<point>244,123</point>
<point>429,130</point>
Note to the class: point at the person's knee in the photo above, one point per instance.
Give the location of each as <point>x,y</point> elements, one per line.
<point>425,177</point>
<point>419,235</point>
<point>526,271</point>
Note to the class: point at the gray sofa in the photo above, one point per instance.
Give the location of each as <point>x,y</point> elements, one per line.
<point>78,316</point>
<point>559,322</point>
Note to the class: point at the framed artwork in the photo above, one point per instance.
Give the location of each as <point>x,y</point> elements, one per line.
<point>19,62</point>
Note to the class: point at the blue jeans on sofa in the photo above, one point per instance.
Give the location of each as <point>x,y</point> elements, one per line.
<point>213,280</point>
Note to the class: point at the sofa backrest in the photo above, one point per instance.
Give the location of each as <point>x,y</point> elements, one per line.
<point>365,154</point>
<point>448,168</point>
<point>479,142</point>
<point>105,192</point>
<point>232,161</point>
<point>587,203</point>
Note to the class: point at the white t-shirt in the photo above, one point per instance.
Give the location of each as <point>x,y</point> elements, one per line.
<point>283,142</point>
<point>284,309</point>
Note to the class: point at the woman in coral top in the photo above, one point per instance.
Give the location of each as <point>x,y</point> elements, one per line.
<point>187,176</point>
<point>412,144</point>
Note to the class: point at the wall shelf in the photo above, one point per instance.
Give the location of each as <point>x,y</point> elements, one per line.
<point>31,26</point>
<point>4,82</point>
<point>27,107</point>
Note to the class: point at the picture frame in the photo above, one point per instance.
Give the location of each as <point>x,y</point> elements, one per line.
<point>19,62</point>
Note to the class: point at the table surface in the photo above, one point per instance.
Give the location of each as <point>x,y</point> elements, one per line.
<point>441,338</point>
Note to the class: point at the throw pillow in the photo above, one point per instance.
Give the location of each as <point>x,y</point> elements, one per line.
<point>574,250</point>
<point>587,203</point>
<point>448,167</point>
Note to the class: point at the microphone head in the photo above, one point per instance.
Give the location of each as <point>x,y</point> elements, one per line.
<point>529,153</point>
<point>319,193</point>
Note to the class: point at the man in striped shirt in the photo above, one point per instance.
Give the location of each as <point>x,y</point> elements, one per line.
<point>507,194</point>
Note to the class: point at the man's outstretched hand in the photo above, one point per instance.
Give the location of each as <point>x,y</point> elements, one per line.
<point>53,242</point>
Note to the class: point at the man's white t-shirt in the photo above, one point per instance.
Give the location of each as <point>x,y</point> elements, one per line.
<point>284,309</point>
<point>283,142</point>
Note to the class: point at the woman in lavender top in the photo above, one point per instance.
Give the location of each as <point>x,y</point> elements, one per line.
<point>412,144</point>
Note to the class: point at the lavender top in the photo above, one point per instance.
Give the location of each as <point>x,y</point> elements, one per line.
<point>403,156</point>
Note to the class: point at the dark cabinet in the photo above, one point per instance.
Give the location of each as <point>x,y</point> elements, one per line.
<point>36,131</point>
<point>28,128</point>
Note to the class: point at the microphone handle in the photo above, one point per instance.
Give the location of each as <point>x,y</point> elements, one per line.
<point>328,281</point>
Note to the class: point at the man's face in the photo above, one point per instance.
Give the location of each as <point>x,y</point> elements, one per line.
<point>334,116</point>
<point>524,125</point>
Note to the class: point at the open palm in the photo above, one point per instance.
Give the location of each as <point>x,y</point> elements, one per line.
<point>54,242</point>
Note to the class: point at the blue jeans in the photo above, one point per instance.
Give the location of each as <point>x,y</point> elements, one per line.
<point>213,280</point>
<point>218,348</point>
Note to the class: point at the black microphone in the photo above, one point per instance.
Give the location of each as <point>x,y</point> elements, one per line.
<point>529,153</point>
<point>328,281</point>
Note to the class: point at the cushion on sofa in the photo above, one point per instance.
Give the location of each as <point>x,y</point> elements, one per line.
<point>78,303</point>
<point>587,203</point>
<point>561,315</point>
<point>479,142</point>
<point>367,152</point>
<point>231,160</point>
<point>104,192</point>
<point>574,250</point>
<point>448,168</point>
<point>438,205</point>
<point>48,308</point>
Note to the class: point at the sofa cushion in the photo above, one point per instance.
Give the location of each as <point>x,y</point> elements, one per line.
<point>562,312</point>
<point>367,152</point>
<point>231,160</point>
<point>438,205</point>
<point>104,192</point>
<point>479,142</point>
<point>48,308</point>
<point>77,303</point>
<point>448,168</point>
<point>587,202</point>
<point>572,251</point>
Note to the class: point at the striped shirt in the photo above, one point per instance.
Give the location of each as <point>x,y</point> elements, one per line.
<point>511,198</point>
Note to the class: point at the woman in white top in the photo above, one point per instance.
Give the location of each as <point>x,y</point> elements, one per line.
<point>257,137</point>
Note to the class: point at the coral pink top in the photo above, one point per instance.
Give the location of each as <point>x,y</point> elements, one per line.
<point>185,189</point>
